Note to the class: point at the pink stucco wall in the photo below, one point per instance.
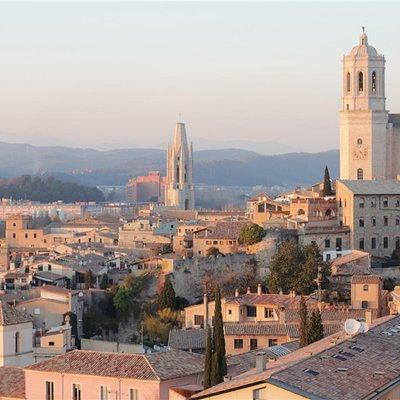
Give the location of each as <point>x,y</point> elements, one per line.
<point>118,388</point>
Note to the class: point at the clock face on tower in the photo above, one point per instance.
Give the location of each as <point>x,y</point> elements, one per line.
<point>360,152</point>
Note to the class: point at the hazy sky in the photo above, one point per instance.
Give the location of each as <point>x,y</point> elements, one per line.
<point>109,74</point>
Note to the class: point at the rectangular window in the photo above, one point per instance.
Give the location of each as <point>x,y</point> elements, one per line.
<point>199,319</point>
<point>339,244</point>
<point>51,343</point>
<point>253,344</point>
<point>373,243</point>
<point>272,342</point>
<point>259,394</point>
<point>385,242</point>
<point>373,202</point>
<point>385,220</point>
<point>373,220</point>
<point>385,202</point>
<point>268,313</point>
<point>238,343</point>
<point>76,392</point>
<point>361,244</point>
<point>49,390</point>
<point>133,394</point>
<point>34,235</point>
<point>364,304</point>
<point>103,392</point>
<point>361,222</point>
<point>251,311</point>
<point>26,236</point>
<point>327,243</point>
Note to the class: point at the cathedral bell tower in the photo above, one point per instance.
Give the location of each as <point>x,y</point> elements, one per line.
<point>179,189</point>
<point>364,118</point>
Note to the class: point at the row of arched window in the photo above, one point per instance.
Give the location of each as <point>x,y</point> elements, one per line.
<point>361,82</point>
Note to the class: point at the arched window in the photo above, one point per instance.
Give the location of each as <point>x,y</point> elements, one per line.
<point>360,82</point>
<point>359,141</point>
<point>360,174</point>
<point>300,212</point>
<point>17,343</point>
<point>361,202</point>
<point>348,82</point>
<point>373,81</point>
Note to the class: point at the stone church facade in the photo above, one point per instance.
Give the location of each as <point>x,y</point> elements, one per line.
<point>369,134</point>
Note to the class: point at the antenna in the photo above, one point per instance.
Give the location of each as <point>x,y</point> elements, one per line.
<point>352,326</point>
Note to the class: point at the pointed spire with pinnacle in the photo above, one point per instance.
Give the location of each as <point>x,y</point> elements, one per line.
<point>180,141</point>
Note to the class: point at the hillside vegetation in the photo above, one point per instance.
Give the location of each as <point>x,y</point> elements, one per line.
<point>47,190</point>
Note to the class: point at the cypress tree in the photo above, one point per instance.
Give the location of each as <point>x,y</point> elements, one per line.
<point>315,328</point>
<point>219,367</point>
<point>167,298</point>
<point>208,361</point>
<point>327,191</point>
<point>304,330</point>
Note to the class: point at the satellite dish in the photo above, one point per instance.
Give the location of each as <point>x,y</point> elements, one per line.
<point>364,328</point>
<point>352,326</point>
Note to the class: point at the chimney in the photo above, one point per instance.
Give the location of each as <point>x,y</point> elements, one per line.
<point>261,360</point>
<point>248,290</point>
<point>292,293</point>
<point>368,317</point>
<point>259,289</point>
<point>236,292</point>
<point>205,302</point>
<point>282,315</point>
<point>280,291</point>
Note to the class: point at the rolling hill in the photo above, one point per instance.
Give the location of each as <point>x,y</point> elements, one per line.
<point>231,167</point>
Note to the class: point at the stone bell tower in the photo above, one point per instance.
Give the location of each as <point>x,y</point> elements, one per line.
<point>364,128</point>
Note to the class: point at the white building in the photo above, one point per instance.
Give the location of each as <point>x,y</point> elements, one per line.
<point>16,346</point>
<point>369,135</point>
<point>179,190</point>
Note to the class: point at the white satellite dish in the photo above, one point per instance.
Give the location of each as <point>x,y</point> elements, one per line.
<point>352,326</point>
<point>364,328</point>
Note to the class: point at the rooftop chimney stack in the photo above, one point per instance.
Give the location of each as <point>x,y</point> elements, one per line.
<point>248,290</point>
<point>259,289</point>
<point>261,361</point>
<point>282,315</point>
<point>368,317</point>
<point>236,292</point>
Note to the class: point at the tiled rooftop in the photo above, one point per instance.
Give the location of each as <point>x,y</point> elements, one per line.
<point>12,383</point>
<point>9,315</point>
<point>366,279</point>
<point>163,365</point>
<point>373,187</point>
<point>380,353</point>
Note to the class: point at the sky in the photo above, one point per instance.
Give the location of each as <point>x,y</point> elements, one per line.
<point>121,74</point>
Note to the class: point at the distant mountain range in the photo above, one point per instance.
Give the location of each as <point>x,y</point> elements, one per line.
<point>230,167</point>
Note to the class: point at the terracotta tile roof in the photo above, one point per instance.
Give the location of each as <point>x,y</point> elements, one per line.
<point>12,382</point>
<point>366,279</point>
<point>163,365</point>
<point>373,359</point>
<point>268,299</point>
<point>257,329</point>
<point>9,315</point>
<point>223,230</point>
<point>350,257</point>
<point>311,355</point>
<point>187,339</point>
